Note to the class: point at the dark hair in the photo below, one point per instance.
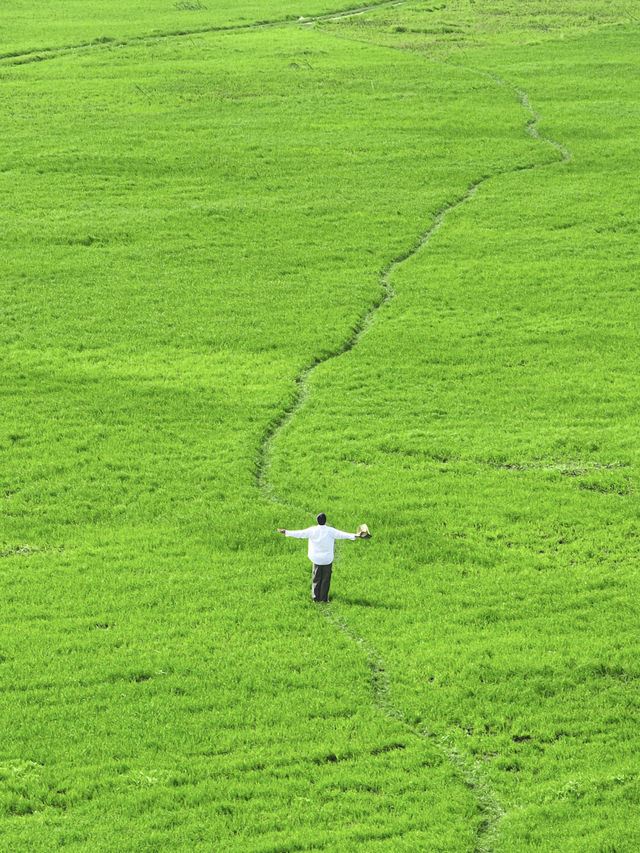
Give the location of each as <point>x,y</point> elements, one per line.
<point>321,519</point>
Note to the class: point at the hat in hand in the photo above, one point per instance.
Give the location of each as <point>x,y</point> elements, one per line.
<point>363,531</point>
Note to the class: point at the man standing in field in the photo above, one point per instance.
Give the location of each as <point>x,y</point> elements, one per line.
<point>321,538</point>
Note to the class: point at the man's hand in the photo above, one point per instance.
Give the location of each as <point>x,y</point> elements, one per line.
<point>280,530</point>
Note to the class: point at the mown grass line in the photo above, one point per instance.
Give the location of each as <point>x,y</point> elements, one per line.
<point>488,803</point>
<point>525,102</point>
<point>379,676</point>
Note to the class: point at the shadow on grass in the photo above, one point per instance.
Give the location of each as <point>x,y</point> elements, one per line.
<point>365,602</point>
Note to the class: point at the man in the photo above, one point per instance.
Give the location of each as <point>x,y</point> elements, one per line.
<point>321,539</point>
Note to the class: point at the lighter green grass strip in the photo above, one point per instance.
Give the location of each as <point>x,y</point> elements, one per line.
<point>525,102</point>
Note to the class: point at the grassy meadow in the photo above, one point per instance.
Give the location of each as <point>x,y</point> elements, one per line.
<point>205,337</point>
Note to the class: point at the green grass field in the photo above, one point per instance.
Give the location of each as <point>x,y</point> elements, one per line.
<point>382,265</point>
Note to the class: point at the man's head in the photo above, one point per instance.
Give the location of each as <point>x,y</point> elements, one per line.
<point>321,519</point>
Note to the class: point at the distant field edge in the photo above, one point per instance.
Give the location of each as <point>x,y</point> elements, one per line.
<point>40,54</point>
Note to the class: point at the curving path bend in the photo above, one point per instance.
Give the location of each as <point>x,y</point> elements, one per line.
<point>491,810</point>
<point>490,807</point>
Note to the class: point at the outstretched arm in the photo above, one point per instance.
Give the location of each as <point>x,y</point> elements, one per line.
<point>297,534</point>
<point>340,534</point>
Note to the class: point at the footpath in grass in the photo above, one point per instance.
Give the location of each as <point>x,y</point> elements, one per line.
<point>188,224</point>
<point>495,453</point>
<point>184,231</point>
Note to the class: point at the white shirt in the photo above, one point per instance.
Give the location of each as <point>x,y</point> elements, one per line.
<point>321,539</point>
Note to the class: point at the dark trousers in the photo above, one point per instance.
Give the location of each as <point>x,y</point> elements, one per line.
<point>321,581</point>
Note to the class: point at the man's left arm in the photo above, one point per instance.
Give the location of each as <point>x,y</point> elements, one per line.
<point>340,534</point>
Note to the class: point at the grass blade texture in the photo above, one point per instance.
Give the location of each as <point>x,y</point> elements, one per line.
<point>380,264</point>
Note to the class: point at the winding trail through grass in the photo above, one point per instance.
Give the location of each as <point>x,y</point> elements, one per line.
<point>467,770</point>
<point>361,327</point>
<point>491,810</point>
